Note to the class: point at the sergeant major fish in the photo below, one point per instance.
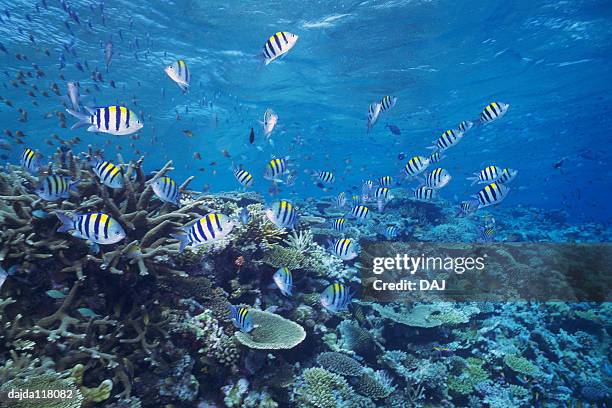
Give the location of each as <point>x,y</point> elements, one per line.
<point>336,297</point>
<point>98,228</point>
<point>345,249</point>
<point>492,194</point>
<point>278,45</point>
<point>242,318</point>
<point>209,228</point>
<point>54,187</point>
<point>179,73</point>
<point>270,120</point>
<point>276,168</point>
<point>282,214</point>
<point>416,166</point>
<point>387,102</point>
<point>486,175</point>
<point>109,174</point>
<point>493,111</point>
<point>115,120</point>
<point>373,113</point>
<point>284,280</point>
<point>166,190</point>
<point>30,160</point>
<point>437,178</point>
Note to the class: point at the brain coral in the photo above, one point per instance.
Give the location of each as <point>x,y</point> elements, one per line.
<point>271,332</point>
<point>340,364</point>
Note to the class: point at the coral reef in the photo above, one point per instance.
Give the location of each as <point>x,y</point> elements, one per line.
<point>271,332</point>
<point>138,324</point>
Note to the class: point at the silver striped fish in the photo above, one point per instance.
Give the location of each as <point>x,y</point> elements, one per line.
<point>284,280</point>
<point>30,160</point>
<point>339,224</point>
<point>115,120</point>
<point>179,73</point>
<point>493,111</point>
<point>109,174</point>
<point>166,190</point>
<point>492,194</point>
<point>244,177</point>
<point>278,45</point>
<point>336,297</point>
<point>387,102</point>
<point>416,166</point>
<point>54,187</point>
<point>282,214</point>
<point>361,212</point>
<point>98,228</point>
<point>345,249</point>
<point>438,178</point>
<point>486,175</point>
<point>448,139</point>
<point>276,168</point>
<point>209,228</point>
<point>424,193</point>
<point>507,175</point>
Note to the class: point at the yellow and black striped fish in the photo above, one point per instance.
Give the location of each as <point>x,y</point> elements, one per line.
<point>283,214</point>
<point>244,177</point>
<point>95,227</point>
<point>416,166</point>
<point>336,297</point>
<point>276,168</point>
<point>361,212</point>
<point>30,160</point>
<point>179,73</point>
<point>486,175</point>
<point>448,139</point>
<point>465,126</point>
<point>242,318</point>
<point>436,157</point>
<point>387,102</point>
<point>493,111</point>
<point>424,193</point>
<point>53,187</point>
<point>109,174</point>
<point>385,181</point>
<point>492,194</point>
<point>115,120</point>
<point>209,228</point>
<point>438,178</point>
<point>278,45</point>
<point>325,176</point>
<point>507,175</point>
<point>166,190</point>
<point>339,224</point>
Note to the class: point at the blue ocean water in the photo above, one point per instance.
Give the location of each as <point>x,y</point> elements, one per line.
<point>445,61</point>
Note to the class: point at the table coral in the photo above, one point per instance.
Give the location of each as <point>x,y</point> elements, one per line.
<point>271,332</point>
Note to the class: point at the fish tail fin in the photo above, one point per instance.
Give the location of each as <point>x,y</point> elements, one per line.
<point>83,119</point>
<point>74,185</point>
<point>183,241</point>
<point>474,180</point>
<point>66,220</point>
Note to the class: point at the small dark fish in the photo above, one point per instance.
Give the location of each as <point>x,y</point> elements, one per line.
<point>401,156</point>
<point>559,163</point>
<point>188,133</point>
<point>394,129</point>
<point>252,136</point>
